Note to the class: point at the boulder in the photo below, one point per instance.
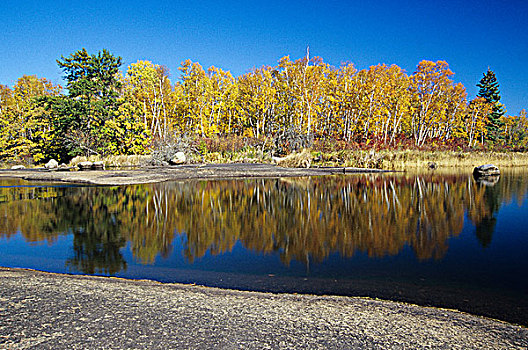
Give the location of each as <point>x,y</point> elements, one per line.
<point>77,160</point>
<point>52,164</point>
<point>179,158</point>
<point>98,165</point>
<point>432,165</point>
<point>63,167</point>
<point>85,165</point>
<point>486,170</point>
<point>18,167</point>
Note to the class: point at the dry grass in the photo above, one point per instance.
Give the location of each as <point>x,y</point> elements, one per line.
<point>390,160</point>
<point>417,159</point>
<point>412,159</point>
<point>247,155</point>
<point>301,159</point>
<point>113,161</point>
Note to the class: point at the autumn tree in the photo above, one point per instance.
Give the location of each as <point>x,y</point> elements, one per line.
<point>341,113</point>
<point>222,100</point>
<point>7,103</point>
<point>515,130</point>
<point>435,101</point>
<point>476,118</point>
<point>396,103</point>
<point>384,102</point>
<point>24,123</point>
<point>300,88</point>
<point>196,90</point>
<point>257,100</point>
<point>152,92</point>
<point>32,121</point>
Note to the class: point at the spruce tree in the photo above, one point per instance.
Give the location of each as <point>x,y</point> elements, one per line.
<point>489,90</point>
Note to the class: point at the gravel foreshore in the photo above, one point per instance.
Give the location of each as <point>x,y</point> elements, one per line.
<point>41,310</point>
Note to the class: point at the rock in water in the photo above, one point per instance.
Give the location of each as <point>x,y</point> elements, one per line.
<point>179,158</point>
<point>486,170</point>
<point>85,165</point>
<point>18,167</point>
<point>52,164</point>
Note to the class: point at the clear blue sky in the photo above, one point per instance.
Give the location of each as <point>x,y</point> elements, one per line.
<point>239,35</point>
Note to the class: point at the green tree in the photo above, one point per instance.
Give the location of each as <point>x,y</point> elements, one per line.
<point>489,90</point>
<point>93,83</point>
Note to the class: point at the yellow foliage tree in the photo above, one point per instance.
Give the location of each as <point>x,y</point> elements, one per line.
<point>475,121</point>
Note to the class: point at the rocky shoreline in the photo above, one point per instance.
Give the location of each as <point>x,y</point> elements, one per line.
<point>56,311</point>
<point>171,173</point>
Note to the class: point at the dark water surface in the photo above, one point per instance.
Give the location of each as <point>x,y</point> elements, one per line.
<point>431,239</point>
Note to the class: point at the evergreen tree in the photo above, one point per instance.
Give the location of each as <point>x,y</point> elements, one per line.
<point>93,82</point>
<point>92,102</point>
<point>489,90</point>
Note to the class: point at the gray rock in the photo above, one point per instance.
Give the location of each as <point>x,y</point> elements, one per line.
<point>179,158</point>
<point>18,167</point>
<point>98,165</point>
<point>85,165</point>
<point>52,164</point>
<point>432,165</point>
<point>63,167</point>
<point>486,170</point>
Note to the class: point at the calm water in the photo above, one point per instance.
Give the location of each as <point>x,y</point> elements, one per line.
<point>430,239</point>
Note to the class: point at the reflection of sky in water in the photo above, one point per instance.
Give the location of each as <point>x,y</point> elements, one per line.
<point>466,263</point>
<point>16,252</point>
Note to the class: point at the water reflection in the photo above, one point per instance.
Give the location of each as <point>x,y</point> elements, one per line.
<point>304,219</point>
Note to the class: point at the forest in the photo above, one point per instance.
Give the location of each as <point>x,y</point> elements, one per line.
<point>303,103</point>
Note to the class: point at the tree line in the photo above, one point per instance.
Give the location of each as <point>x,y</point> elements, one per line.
<point>105,112</point>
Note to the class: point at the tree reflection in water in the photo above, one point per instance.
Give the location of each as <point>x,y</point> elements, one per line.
<point>304,219</point>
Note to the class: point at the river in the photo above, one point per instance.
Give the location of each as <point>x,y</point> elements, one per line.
<point>433,239</point>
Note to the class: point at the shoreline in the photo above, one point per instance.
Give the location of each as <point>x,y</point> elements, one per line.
<point>126,170</point>
<point>59,310</point>
<point>175,173</point>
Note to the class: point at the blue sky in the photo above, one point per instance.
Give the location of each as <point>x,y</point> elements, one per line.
<point>239,35</point>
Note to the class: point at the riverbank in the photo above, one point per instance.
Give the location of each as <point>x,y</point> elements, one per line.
<point>172,173</point>
<point>72,312</point>
<point>399,160</point>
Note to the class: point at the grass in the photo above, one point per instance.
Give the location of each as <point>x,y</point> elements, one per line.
<point>412,159</point>
<point>246,155</point>
<point>390,160</point>
<point>415,159</point>
<point>301,159</point>
<point>112,161</point>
